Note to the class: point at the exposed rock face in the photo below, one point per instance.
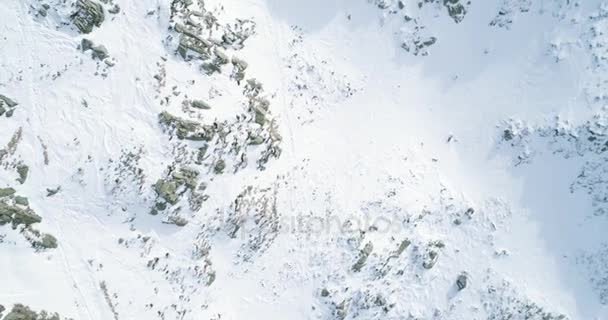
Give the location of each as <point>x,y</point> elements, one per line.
<point>86,44</point>
<point>22,312</point>
<point>456,9</point>
<point>17,216</point>
<point>462,281</point>
<point>23,172</point>
<point>6,192</point>
<point>115,9</point>
<point>219,167</point>
<point>187,129</point>
<point>52,191</point>
<point>367,250</point>
<point>22,201</point>
<point>99,52</point>
<point>7,106</point>
<point>88,15</point>
<point>200,104</point>
<point>170,189</point>
<point>178,221</point>
<point>47,242</point>
<point>4,100</point>
<point>15,210</point>
<point>432,254</point>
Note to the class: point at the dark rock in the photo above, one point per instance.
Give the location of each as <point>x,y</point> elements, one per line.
<point>160,206</point>
<point>52,192</point>
<point>99,52</point>
<point>219,167</point>
<point>256,140</point>
<point>363,255</point>
<point>240,64</point>
<point>178,221</point>
<point>187,129</point>
<point>210,68</point>
<point>21,312</point>
<point>456,9</point>
<point>186,176</point>
<point>89,14</point>
<point>86,44</point>
<point>462,280</point>
<point>200,156</point>
<point>4,100</point>
<point>200,104</point>
<point>115,9</point>
<point>47,242</point>
<point>6,192</point>
<point>220,56</point>
<point>469,213</point>
<point>23,171</point>
<point>43,11</point>
<point>324,293</point>
<point>17,216</point>
<point>22,201</point>
<point>167,190</point>
<point>260,107</point>
<point>430,259</point>
<point>403,246</point>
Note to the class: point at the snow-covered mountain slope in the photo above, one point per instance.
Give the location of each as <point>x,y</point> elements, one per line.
<point>321,159</point>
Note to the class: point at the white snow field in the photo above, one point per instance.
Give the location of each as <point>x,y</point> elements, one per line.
<point>291,159</point>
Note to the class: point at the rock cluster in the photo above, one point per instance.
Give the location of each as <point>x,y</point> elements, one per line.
<point>187,129</point>
<point>15,210</point>
<point>178,182</point>
<point>203,40</point>
<point>22,312</point>
<point>415,41</point>
<point>200,34</point>
<point>254,218</point>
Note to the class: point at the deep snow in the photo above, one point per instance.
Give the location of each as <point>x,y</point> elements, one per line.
<point>378,145</point>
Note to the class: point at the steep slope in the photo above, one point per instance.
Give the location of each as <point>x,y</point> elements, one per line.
<point>304,160</point>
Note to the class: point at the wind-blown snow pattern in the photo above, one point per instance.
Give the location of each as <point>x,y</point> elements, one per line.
<point>286,159</point>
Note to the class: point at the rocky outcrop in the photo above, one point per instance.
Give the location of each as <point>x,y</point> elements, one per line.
<point>22,312</point>
<point>15,210</point>
<point>364,254</point>
<point>17,215</point>
<point>7,106</point>
<point>23,172</point>
<point>88,15</point>
<point>456,9</point>
<point>98,52</point>
<point>171,188</point>
<point>200,104</point>
<point>187,129</point>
